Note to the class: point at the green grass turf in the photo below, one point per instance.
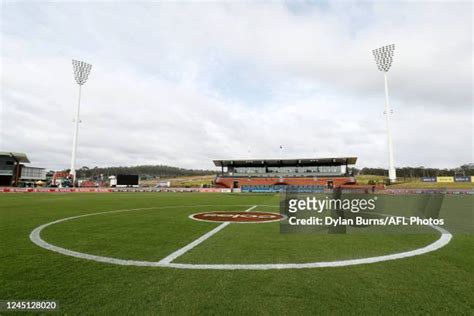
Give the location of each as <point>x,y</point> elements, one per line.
<point>440,282</point>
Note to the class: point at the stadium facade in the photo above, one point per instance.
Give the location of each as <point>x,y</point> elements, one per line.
<point>13,171</point>
<point>255,174</point>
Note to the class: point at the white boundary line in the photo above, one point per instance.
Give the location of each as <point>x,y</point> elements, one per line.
<point>193,244</point>
<point>35,237</point>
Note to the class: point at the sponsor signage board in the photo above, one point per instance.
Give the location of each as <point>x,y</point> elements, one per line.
<point>462,179</point>
<point>445,179</point>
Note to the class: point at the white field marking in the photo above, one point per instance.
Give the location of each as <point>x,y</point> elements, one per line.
<point>193,244</point>
<point>35,237</point>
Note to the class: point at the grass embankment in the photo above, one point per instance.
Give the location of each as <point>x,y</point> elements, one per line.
<point>414,183</point>
<point>183,182</point>
<point>404,183</point>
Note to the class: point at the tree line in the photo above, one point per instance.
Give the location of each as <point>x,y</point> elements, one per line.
<point>144,171</point>
<point>419,172</point>
<point>162,171</point>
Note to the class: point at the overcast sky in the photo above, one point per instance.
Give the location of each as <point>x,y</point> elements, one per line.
<point>184,83</point>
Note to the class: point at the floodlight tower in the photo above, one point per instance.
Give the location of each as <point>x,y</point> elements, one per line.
<point>81,73</point>
<point>383,58</point>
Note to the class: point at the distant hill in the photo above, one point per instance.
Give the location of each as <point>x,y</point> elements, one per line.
<point>145,171</point>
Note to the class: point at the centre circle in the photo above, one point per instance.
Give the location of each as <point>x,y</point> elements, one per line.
<point>35,237</point>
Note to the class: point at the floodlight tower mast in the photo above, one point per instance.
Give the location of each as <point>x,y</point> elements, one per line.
<point>383,58</point>
<point>81,73</point>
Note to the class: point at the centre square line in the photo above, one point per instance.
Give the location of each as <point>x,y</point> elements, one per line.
<point>193,244</point>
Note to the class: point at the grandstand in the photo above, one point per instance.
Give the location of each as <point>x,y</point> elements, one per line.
<point>14,172</point>
<point>262,174</point>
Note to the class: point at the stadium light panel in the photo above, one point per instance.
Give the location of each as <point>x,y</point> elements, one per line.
<point>384,57</point>
<point>81,71</point>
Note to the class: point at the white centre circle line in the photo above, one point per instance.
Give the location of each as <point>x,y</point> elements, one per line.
<point>35,237</point>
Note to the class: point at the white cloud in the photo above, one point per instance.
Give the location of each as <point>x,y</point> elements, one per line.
<point>180,84</point>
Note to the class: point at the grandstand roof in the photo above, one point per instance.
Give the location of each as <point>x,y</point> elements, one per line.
<point>21,157</point>
<point>286,162</point>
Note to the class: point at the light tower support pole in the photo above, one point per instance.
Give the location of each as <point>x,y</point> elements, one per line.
<point>392,176</point>
<point>76,135</point>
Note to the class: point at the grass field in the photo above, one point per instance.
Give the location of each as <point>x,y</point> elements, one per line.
<point>439,282</point>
